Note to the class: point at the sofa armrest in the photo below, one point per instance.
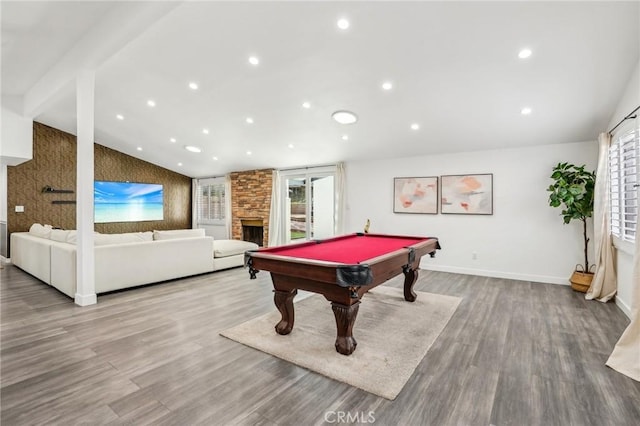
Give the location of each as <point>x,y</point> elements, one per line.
<point>32,255</point>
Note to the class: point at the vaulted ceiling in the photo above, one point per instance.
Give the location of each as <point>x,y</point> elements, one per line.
<point>453,68</point>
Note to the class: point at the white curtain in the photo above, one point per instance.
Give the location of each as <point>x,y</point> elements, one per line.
<point>194,203</point>
<point>625,357</point>
<point>276,216</point>
<point>227,206</point>
<point>604,283</point>
<point>340,199</point>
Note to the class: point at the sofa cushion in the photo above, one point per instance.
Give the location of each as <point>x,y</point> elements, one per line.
<point>225,248</point>
<point>178,233</point>
<point>59,235</point>
<point>38,230</point>
<point>130,237</point>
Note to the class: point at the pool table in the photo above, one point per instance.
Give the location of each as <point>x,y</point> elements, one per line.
<point>342,269</point>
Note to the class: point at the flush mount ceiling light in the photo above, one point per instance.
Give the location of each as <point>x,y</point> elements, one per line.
<point>344,117</point>
<point>291,146</point>
<point>524,53</point>
<point>205,131</point>
<point>215,158</point>
<point>306,105</point>
<point>193,85</point>
<point>248,152</point>
<point>415,126</point>
<point>120,117</point>
<point>180,164</point>
<point>192,148</point>
<point>139,148</point>
<point>249,120</point>
<point>172,140</point>
<point>525,111</point>
<point>387,85</point>
<point>253,60</point>
<point>343,23</point>
<point>345,137</point>
<point>151,103</point>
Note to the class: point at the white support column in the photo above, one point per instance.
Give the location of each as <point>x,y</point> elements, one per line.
<point>85,261</point>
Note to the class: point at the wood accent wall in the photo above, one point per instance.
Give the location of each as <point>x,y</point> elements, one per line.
<point>54,164</point>
<point>251,199</point>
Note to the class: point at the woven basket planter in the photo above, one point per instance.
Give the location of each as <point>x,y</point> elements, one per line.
<point>580,280</point>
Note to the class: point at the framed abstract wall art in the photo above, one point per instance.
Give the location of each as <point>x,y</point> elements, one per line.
<point>466,194</point>
<point>415,195</point>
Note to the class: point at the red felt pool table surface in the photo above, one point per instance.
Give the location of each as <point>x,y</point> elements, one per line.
<point>348,249</point>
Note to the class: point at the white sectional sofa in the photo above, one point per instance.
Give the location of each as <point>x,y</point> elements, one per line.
<point>124,260</point>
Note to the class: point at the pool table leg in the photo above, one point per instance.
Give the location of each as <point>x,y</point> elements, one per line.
<point>345,317</point>
<point>410,278</point>
<point>284,303</point>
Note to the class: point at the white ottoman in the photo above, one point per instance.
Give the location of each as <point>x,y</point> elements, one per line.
<point>230,253</point>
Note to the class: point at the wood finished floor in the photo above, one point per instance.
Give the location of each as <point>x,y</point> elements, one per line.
<point>514,353</point>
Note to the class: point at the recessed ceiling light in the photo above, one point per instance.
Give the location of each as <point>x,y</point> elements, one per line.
<point>120,117</point>
<point>172,140</point>
<point>387,85</point>
<point>248,152</point>
<point>215,158</point>
<point>415,126</point>
<point>290,146</point>
<point>180,164</point>
<point>306,105</point>
<point>205,131</point>
<point>249,120</point>
<point>192,148</point>
<point>345,137</point>
<point>151,103</point>
<point>524,53</point>
<point>139,148</point>
<point>193,85</point>
<point>525,111</point>
<point>344,117</point>
<point>343,23</point>
<point>253,60</point>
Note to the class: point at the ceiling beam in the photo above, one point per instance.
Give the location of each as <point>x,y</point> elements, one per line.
<point>123,24</point>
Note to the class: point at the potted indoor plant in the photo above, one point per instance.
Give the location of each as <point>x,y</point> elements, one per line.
<point>572,190</point>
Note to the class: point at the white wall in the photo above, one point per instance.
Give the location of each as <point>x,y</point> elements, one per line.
<point>218,232</point>
<point>16,147</point>
<point>630,99</point>
<point>524,238</point>
<point>16,138</point>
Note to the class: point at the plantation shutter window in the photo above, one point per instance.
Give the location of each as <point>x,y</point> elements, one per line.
<point>624,168</point>
<point>211,200</point>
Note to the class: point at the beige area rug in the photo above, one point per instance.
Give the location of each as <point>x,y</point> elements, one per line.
<point>393,336</point>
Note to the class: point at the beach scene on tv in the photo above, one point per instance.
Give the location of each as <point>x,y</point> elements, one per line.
<point>127,202</point>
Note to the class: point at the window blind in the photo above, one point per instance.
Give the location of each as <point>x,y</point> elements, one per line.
<point>211,200</point>
<point>624,168</point>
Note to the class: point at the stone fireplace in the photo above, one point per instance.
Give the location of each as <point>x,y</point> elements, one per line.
<point>251,205</point>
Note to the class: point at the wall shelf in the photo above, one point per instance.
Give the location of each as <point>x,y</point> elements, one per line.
<point>63,202</point>
<point>50,190</point>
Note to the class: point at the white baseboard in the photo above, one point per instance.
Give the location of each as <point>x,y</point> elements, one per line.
<point>499,274</point>
<point>86,299</point>
<point>623,307</point>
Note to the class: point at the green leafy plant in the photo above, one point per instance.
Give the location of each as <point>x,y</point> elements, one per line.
<point>572,190</point>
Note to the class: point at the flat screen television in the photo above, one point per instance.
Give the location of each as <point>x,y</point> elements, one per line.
<point>127,202</point>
